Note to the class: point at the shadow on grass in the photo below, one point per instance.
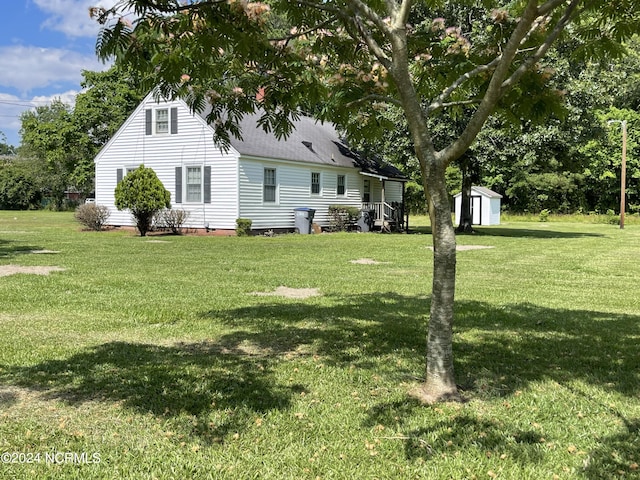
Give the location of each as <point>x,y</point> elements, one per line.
<point>515,232</point>
<point>166,381</point>
<point>9,248</point>
<point>512,232</point>
<point>499,350</point>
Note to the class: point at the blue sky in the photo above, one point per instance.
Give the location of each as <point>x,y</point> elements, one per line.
<point>44,46</point>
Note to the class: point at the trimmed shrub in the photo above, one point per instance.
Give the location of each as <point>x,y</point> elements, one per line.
<point>172,220</point>
<point>92,216</point>
<point>142,192</point>
<point>243,227</point>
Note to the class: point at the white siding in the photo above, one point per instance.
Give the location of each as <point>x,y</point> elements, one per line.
<point>293,190</point>
<point>192,145</point>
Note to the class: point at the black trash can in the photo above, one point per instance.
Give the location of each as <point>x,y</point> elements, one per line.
<point>304,219</point>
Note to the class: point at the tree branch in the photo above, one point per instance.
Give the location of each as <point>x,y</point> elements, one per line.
<point>371,15</point>
<point>494,90</point>
<point>550,6</point>
<point>542,50</point>
<point>375,98</point>
<point>438,102</point>
<point>373,45</point>
<point>306,32</point>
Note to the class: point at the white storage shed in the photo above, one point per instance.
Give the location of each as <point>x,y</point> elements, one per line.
<point>485,206</point>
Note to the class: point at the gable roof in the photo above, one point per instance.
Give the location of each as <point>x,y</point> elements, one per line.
<point>484,191</point>
<point>310,141</point>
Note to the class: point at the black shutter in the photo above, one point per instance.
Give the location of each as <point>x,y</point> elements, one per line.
<point>178,185</point>
<point>147,114</point>
<point>207,184</point>
<point>174,121</point>
<point>118,176</point>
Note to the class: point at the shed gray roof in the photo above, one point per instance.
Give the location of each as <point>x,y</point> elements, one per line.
<point>486,192</point>
<point>310,141</point>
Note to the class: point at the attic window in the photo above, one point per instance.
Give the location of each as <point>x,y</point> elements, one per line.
<point>162,120</point>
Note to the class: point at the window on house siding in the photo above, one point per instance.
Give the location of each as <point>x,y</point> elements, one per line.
<point>269,193</point>
<point>341,185</point>
<point>194,184</point>
<point>162,120</point>
<point>366,195</point>
<point>315,183</point>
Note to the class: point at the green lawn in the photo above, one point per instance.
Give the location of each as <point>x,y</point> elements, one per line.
<point>156,358</point>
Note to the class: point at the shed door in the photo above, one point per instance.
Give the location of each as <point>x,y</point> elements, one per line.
<point>476,210</point>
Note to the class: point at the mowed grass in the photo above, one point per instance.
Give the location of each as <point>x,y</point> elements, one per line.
<point>156,358</point>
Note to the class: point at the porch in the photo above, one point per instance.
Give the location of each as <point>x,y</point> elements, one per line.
<point>386,217</point>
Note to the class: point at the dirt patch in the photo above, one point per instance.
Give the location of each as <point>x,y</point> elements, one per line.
<point>287,292</point>
<point>462,248</point>
<point>157,241</point>
<point>6,270</point>
<point>367,261</point>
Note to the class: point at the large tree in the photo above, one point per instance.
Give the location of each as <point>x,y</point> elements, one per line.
<point>68,138</point>
<point>345,59</point>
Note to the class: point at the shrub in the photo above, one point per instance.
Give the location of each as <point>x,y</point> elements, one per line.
<point>612,218</point>
<point>243,227</point>
<point>142,192</point>
<point>544,215</point>
<point>172,220</point>
<point>341,216</point>
<point>92,216</point>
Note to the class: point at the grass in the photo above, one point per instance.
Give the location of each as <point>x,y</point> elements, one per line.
<point>158,359</point>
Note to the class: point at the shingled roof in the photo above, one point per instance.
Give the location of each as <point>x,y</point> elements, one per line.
<point>310,141</point>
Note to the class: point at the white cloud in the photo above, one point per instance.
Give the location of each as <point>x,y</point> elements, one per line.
<point>26,67</point>
<point>71,17</point>
<point>12,107</point>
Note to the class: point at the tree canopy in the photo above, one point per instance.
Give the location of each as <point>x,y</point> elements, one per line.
<point>346,60</point>
<point>66,138</point>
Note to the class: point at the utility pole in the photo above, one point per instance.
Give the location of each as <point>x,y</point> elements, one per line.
<point>623,174</point>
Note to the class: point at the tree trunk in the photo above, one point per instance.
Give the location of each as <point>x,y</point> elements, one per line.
<point>440,382</point>
<point>465,224</point>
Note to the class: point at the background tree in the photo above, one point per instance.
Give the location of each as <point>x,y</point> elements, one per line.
<point>48,134</point>
<point>20,184</point>
<point>142,192</point>
<point>5,148</point>
<point>107,100</point>
<point>345,59</point>
<point>68,138</point>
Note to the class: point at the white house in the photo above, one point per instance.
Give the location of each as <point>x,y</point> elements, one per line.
<point>259,177</point>
<point>485,206</point>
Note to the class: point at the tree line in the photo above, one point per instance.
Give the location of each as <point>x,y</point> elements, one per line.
<point>564,159</point>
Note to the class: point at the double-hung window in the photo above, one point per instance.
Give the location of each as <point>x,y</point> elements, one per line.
<point>341,185</point>
<point>194,184</point>
<point>315,183</point>
<point>162,120</point>
<point>366,194</point>
<point>269,192</point>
